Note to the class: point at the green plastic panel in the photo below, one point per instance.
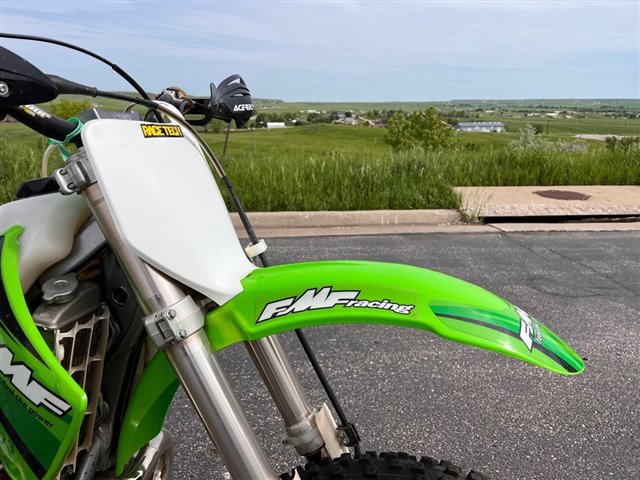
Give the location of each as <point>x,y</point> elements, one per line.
<point>281,298</point>
<point>147,408</point>
<point>42,406</point>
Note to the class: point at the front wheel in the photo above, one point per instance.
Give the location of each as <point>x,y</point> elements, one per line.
<point>385,466</point>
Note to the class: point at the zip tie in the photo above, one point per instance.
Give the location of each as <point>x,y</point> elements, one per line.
<point>62,144</point>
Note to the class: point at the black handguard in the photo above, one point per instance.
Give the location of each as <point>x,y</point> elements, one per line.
<point>231,100</point>
<point>21,82</point>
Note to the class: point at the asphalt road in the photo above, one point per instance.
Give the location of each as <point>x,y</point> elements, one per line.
<point>412,391</point>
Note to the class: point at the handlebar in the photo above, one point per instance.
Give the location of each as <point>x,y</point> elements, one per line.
<point>42,122</point>
<point>223,104</point>
<point>23,84</point>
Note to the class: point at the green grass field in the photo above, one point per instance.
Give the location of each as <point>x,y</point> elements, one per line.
<point>336,167</point>
<point>411,180</point>
<point>573,126</point>
<point>308,139</point>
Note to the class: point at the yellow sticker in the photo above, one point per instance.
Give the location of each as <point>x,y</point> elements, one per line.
<point>155,130</point>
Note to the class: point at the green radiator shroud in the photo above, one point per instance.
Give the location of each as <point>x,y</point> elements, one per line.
<point>41,406</point>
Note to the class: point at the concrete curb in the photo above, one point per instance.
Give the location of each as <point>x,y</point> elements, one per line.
<point>390,222</point>
<point>481,202</point>
<point>358,218</point>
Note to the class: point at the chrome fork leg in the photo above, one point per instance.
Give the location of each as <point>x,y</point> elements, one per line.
<point>208,388</point>
<point>285,389</point>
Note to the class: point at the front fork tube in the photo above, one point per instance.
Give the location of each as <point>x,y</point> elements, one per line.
<point>300,418</point>
<point>191,357</point>
<point>207,386</point>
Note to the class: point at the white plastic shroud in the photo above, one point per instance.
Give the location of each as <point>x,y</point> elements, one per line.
<point>166,204</point>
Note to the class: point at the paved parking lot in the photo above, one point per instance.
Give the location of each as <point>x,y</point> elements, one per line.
<point>409,390</point>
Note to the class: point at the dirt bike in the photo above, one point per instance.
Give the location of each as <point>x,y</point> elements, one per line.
<point>122,276</point>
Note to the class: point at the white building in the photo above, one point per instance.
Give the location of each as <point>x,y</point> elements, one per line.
<point>276,125</point>
<point>480,127</point>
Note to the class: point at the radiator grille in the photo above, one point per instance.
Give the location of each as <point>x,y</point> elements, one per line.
<point>80,348</point>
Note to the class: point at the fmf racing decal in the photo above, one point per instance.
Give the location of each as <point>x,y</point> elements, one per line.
<point>154,130</point>
<point>529,329</point>
<point>326,297</point>
<point>20,377</point>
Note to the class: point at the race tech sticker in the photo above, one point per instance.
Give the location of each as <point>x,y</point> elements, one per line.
<point>152,130</point>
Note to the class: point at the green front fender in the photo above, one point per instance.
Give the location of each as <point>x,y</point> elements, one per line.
<point>286,297</point>
<point>282,298</point>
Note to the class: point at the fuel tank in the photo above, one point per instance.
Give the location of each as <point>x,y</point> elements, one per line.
<point>50,222</point>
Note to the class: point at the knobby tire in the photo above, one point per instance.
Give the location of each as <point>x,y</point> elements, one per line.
<point>383,466</point>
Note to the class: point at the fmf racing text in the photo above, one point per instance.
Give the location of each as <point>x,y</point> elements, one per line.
<point>326,297</point>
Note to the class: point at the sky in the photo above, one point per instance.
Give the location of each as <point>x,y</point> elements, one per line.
<point>343,50</point>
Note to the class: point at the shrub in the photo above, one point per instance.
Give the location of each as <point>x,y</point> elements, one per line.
<point>420,129</point>
<point>65,108</point>
<point>530,141</point>
<point>622,143</point>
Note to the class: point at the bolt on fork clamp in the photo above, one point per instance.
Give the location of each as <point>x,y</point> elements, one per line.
<point>76,175</point>
<point>175,323</point>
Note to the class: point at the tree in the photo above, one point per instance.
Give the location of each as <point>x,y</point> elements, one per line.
<point>65,108</point>
<point>538,128</point>
<point>314,117</point>
<point>422,128</point>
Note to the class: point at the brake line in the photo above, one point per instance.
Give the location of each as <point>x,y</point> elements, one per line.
<point>115,67</point>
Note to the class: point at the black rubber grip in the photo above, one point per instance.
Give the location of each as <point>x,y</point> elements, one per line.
<point>42,122</point>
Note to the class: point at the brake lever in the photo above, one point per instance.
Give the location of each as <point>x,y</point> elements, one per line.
<point>200,108</point>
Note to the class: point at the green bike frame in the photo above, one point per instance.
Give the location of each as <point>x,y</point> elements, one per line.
<point>282,298</point>
<point>42,406</point>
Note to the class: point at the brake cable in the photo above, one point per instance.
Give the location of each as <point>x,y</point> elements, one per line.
<point>71,46</point>
<point>115,67</point>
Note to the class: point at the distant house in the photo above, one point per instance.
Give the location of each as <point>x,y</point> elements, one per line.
<point>480,127</point>
<point>346,121</point>
<point>276,125</point>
